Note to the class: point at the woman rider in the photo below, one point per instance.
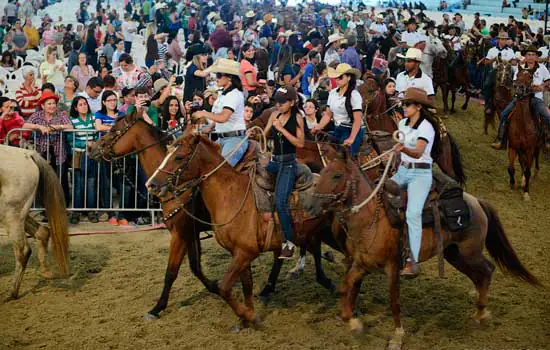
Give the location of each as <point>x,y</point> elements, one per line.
<point>228,110</point>
<point>420,144</point>
<point>286,127</point>
<point>345,107</point>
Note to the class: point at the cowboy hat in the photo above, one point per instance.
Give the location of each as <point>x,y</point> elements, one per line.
<point>250,14</point>
<point>419,96</point>
<point>532,48</point>
<point>412,54</point>
<point>285,94</point>
<point>411,21</point>
<point>47,96</point>
<point>211,15</point>
<point>380,16</point>
<point>225,66</point>
<point>160,6</point>
<point>429,25</point>
<point>260,23</point>
<point>219,23</point>
<point>334,37</point>
<point>211,3</point>
<point>341,69</point>
<point>159,85</point>
<point>195,49</point>
<point>457,29</point>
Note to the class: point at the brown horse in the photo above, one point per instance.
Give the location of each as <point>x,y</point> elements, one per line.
<point>524,139</point>
<point>373,244</point>
<point>459,77</point>
<point>502,93</point>
<point>240,228</point>
<point>132,135</point>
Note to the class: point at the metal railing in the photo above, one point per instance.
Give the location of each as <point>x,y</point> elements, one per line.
<point>90,186</point>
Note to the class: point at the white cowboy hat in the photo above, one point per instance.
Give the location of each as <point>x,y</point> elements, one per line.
<point>225,66</point>
<point>412,54</point>
<point>160,6</point>
<point>334,37</point>
<point>380,16</point>
<point>343,68</point>
<point>250,14</point>
<point>260,23</point>
<point>211,15</point>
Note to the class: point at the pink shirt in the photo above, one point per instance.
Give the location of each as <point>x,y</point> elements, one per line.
<point>247,67</point>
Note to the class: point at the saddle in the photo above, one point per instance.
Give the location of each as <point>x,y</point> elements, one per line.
<point>445,201</point>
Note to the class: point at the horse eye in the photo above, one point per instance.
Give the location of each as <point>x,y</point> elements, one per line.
<point>338,176</point>
<point>179,158</point>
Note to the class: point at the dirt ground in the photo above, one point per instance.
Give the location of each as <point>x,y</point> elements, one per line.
<point>117,278</point>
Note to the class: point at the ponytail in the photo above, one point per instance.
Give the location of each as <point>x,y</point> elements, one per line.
<point>434,120</point>
<point>351,86</point>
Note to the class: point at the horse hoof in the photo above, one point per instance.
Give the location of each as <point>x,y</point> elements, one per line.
<point>293,275</point>
<point>396,341</point>
<point>150,317</point>
<point>332,288</point>
<point>12,297</point>
<point>264,299</point>
<point>526,197</point>
<point>481,316</point>
<point>523,182</point>
<point>356,325</point>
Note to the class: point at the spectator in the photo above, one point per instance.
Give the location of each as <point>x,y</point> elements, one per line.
<point>32,35</point>
<point>119,50</point>
<point>69,92</point>
<point>152,47</point>
<point>249,74</point>
<point>172,113</point>
<point>331,54</point>
<point>53,70</point>
<point>50,143</point>
<point>129,99</point>
<point>28,94</point>
<point>129,29</point>
<point>128,72</point>
<point>314,59</point>
<point>82,72</point>
<point>92,93</point>
<point>195,76</point>
<point>72,60</point>
<point>8,61</point>
<point>351,56</point>
<point>20,40</point>
<point>9,120</point>
<point>174,49</point>
<point>84,168</point>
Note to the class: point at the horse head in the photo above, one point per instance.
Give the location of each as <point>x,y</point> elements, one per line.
<point>504,73</point>
<point>119,140</point>
<point>524,81</point>
<point>334,186</point>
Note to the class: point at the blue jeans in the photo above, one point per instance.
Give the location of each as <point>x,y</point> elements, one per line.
<point>341,133</point>
<point>418,183</point>
<point>85,189</point>
<point>538,108</point>
<point>228,145</point>
<point>127,47</point>
<point>286,177</point>
<point>149,63</point>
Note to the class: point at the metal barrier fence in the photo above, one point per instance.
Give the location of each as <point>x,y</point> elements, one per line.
<point>90,186</point>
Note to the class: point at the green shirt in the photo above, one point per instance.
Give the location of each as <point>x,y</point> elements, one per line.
<point>344,24</point>
<point>152,112</point>
<point>79,139</point>
<point>146,7</point>
<point>484,31</point>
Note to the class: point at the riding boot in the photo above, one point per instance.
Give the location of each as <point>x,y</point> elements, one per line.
<point>500,142</point>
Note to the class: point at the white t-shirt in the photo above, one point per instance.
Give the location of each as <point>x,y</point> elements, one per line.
<point>541,75</point>
<point>234,101</point>
<point>126,27</point>
<point>411,38</point>
<point>95,103</point>
<point>423,130</point>
<point>506,54</point>
<point>380,28</point>
<point>420,80</point>
<point>337,105</point>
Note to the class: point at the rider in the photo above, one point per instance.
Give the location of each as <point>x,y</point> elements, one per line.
<point>413,76</point>
<point>541,77</point>
<point>345,106</point>
<point>506,54</point>
<point>286,127</point>
<point>228,110</point>
<point>420,144</point>
<point>411,36</point>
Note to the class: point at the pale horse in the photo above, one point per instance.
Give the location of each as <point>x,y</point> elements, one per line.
<point>434,48</point>
<point>22,173</point>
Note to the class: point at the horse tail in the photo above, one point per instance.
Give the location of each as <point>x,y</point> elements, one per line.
<point>53,199</point>
<point>501,250</point>
<point>458,169</point>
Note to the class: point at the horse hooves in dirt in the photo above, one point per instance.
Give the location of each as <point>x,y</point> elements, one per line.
<point>396,341</point>
<point>481,316</point>
<point>356,325</point>
<point>150,317</point>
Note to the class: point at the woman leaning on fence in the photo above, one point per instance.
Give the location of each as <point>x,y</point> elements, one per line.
<point>84,168</point>
<point>49,121</point>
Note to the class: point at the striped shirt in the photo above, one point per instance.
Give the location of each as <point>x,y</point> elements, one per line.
<point>163,50</point>
<point>79,139</point>
<point>28,100</point>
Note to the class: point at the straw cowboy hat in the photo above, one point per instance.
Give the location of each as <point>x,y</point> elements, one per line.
<point>47,96</point>
<point>225,66</point>
<point>380,16</point>
<point>334,37</point>
<point>160,6</point>
<point>341,69</point>
<point>219,23</point>
<point>412,54</point>
<point>532,48</point>
<point>250,14</point>
<point>211,15</point>
<point>417,95</point>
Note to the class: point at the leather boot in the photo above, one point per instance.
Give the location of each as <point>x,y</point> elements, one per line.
<point>500,143</point>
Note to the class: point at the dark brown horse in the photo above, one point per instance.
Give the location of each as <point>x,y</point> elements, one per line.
<point>196,162</point>
<point>374,245</point>
<point>132,135</point>
<point>502,93</point>
<point>459,77</point>
<point>524,140</point>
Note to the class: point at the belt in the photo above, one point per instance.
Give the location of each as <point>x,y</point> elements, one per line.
<point>231,134</point>
<point>416,165</point>
<point>283,157</point>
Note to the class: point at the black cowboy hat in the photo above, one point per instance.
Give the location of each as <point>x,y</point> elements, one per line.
<point>456,28</point>
<point>531,48</point>
<point>429,25</point>
<point>195,49</point>
<point>411,21</point>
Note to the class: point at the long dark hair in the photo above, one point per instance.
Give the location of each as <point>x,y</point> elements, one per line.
<point>165,115</point>
<point>104,97</point>
<point>236,82</point>
<point>73,111</point>
<point>351,86</point>
<point>432,119</point>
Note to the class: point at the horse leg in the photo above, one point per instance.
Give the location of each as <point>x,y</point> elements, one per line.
<point>392,271</point>
<point>322,279</point>
<point>300,265</point>
<point>21,249</point>
<point>273,276</point>
<point>349,294</point>
<point>178,248</point>
<point>511,169</point>
<point>248,287</point>
<point>468,259</point>
<point>467,92</point>
<point>453,100</point>
<point>240,262</point>
<point>445,94</point>
<point>41,234</point>
<point>194,256</point>
<point>526,161</point>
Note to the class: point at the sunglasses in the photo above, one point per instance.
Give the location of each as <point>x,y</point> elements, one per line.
<point>220,75</point>
<point>407,104</point>
<point>340,77</point>
<point>97,92</point>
